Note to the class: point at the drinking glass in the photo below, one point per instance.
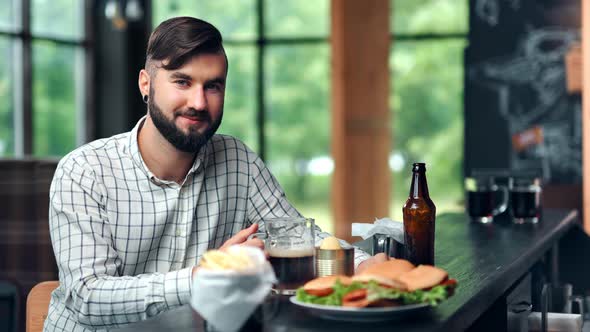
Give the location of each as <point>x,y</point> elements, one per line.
<point>290,245</point>
<point>562,299</point>
<point>485,199</point>
<point>525,197</point>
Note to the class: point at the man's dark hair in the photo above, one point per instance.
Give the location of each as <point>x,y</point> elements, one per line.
<point>178,39</point>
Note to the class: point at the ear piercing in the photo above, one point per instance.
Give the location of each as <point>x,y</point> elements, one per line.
<point>145,99</point>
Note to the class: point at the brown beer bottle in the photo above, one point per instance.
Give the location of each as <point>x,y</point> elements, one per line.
<point>419,214</point>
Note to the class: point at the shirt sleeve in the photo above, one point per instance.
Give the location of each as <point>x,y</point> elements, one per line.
<point>268,200</point>
<point>91,285</point>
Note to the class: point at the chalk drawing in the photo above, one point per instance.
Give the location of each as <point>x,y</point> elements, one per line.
<point>488,11</point>
<point>515,4</point>
<point>530,89</point>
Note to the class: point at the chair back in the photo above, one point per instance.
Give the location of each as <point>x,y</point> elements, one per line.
<point>38,305</point>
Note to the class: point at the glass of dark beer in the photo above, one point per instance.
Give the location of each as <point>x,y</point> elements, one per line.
<point>525,198</point>
<point>290,245</point>
<point>485,199</point>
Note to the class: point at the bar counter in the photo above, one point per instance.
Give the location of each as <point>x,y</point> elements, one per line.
<point>486,260</point>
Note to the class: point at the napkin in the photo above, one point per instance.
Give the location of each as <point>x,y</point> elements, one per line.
<point>385,226</point>
<point>226,298</point>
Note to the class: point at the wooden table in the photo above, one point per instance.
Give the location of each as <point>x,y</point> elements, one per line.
<point>487,260</point>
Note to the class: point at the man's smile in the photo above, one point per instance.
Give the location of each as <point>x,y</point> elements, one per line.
<point>193,119</point>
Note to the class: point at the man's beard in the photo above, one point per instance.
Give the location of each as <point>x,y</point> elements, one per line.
<point>190,142</point>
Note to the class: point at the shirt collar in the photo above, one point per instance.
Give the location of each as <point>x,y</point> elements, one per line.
<point>133,147</point>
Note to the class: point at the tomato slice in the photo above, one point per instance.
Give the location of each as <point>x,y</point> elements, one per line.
<point>320,292</point>
<point>356,298</point>
<point>449,282</point>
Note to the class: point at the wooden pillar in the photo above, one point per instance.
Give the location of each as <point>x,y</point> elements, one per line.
<point>361,133</point>
<point>586,112</point>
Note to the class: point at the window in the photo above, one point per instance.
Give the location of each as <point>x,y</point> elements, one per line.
<point>426,62</point>
<point>278,89</point>
<point>42,77</point>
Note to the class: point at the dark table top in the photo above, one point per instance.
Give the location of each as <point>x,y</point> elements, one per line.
<point>485,259</point>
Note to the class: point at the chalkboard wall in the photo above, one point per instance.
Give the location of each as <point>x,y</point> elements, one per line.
<point>518,114</point>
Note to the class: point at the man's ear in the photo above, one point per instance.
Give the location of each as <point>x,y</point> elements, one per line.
<point>143,82</point>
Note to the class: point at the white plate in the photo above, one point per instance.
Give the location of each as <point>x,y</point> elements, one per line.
<point>359,314</point>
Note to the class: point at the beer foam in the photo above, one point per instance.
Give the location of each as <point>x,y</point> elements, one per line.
<point>290,253</point>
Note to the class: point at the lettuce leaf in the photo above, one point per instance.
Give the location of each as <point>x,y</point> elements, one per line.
<point>433,296</point>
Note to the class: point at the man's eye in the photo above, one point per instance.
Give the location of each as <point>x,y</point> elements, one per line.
<point>213,87</point>
<point>182,82</point>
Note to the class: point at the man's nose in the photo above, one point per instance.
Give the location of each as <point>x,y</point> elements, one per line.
<point>197,99</point>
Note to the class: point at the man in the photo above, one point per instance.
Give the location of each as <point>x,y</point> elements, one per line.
<point>131,215</point>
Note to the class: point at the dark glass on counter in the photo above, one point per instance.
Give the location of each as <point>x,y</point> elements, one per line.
<point>526,200</point>
<point>485,199</point>
<point>419,213</point>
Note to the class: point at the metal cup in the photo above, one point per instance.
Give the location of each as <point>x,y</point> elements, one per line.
<point>388,245</point>
<point>332,262</point>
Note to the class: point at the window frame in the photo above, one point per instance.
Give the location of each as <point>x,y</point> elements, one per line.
<point>22,76</point>
<point>261,44</point>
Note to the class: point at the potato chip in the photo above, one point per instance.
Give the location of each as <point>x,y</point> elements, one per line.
<point>222,260</point>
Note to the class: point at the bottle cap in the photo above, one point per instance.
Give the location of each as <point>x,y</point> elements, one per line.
<point>419,166</point>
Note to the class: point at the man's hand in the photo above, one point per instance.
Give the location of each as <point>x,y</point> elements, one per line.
<point>379,258</point>
<point>242,238</point>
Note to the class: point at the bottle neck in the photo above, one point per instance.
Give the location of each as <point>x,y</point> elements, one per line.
<point>419,187</point>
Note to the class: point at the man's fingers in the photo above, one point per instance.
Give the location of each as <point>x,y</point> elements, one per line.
<point>254,243</point>
<point>242,235</point>
<point>251,230</point>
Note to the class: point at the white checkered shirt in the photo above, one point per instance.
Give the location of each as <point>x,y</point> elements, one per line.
<point>126,242</point>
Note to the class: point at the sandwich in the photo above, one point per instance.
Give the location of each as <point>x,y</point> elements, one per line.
<point>391,283</point>
<point>386,273</point>
<point>325,285</point>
